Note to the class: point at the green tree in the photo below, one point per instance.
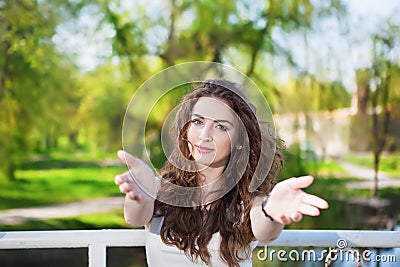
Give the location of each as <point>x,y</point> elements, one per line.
<point>382,70</point>
<point>38,84</point>
<point>35,80</point>
<point>105,94</point>
<point>177,31</point>
<point>241,33</point>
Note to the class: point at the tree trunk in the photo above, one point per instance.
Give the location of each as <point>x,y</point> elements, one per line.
<point>10,170</point>
<point>73,139</point>
<point>375,187</point>
<point>380,126</point>
<point>9,166</point>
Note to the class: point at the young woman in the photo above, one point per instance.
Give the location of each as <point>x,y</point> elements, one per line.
<point>219,148</point>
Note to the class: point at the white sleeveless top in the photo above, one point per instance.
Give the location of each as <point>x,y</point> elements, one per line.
<point>159,254</point>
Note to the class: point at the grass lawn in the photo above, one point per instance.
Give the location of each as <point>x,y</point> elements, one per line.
<point>390,163</point>
<point>109,220</point>
<point>38,187</point>
<point>54,180</point>
<point>325,169</point>
<point>340,215</point>
<point>62,177</point>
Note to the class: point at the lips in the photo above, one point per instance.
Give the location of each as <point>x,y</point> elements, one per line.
<point>203,149</point>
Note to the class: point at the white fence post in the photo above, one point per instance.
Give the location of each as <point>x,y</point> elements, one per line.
<point>97,255</point>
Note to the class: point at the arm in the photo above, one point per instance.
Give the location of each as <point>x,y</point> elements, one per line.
<point>137,214</point>
<point>139,187</point>
<point>287,203</point>
<point>263,228</point>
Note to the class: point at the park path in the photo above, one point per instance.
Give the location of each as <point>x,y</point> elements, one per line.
<point>15,216</point>
<point>20,215</point>
<point>367,176</point>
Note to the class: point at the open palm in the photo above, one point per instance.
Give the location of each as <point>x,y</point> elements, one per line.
<point>288,202</point>
<point>138,183</point>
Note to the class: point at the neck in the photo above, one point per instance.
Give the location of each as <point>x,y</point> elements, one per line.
<point>211,174</point>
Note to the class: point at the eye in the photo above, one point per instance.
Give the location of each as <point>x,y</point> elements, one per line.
<point>221,127</point>
<point>197,122</point>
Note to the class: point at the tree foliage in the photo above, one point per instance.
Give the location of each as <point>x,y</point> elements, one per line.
<point>105,95</point>
<point>36,81</point>
<point>177,31</point>
<point>381,86</point>
<point>307,94</point>
<point>44,96</point>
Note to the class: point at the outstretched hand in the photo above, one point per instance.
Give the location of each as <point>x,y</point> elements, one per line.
<point>288,202</point>
<point>138,183</point>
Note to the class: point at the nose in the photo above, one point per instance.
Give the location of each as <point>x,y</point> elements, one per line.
<point>205,134</point>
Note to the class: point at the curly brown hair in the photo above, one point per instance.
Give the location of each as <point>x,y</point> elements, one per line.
<point>191,228</point>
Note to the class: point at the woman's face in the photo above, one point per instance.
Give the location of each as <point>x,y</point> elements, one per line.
<point>212,133</point>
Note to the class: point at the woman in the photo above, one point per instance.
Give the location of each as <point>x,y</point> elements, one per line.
<point>219,147</point>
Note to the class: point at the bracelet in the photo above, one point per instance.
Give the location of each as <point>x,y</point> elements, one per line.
<point>263,203</point>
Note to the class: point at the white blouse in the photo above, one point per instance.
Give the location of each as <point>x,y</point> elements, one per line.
<point>159,254</point>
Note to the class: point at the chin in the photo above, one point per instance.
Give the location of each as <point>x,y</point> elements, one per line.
<point>204,163</point>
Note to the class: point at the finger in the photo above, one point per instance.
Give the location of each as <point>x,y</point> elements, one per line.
<point>138,197</point>
<point>296,217</point>
<point>134,196</point>
<point>309,210</point>
<point>315,201</point>
<point>284,219</point>
<point>128,159</point>
<point>125,177</point>
<point>118,180</point>
<point>301,182</point>
<point>131,195</point>
<point>124,188</point>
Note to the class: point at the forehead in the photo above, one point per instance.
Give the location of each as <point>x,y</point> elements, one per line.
<point>213,108</point>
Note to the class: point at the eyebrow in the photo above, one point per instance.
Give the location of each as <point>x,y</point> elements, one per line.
<point>219,121</point>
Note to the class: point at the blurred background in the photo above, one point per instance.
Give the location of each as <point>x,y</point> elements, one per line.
<point>68,69</point>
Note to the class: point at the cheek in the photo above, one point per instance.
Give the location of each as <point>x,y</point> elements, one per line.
<point>191,137</point>
<point>191,133</point>
<point>224,143</point>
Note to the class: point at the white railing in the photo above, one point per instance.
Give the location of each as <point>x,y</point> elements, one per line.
<point>97,241</point>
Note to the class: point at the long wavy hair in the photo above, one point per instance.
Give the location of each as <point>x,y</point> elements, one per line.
<point>191,228</point>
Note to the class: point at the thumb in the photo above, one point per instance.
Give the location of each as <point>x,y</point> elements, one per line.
<point>128,159</point>
<point>301,182</point>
